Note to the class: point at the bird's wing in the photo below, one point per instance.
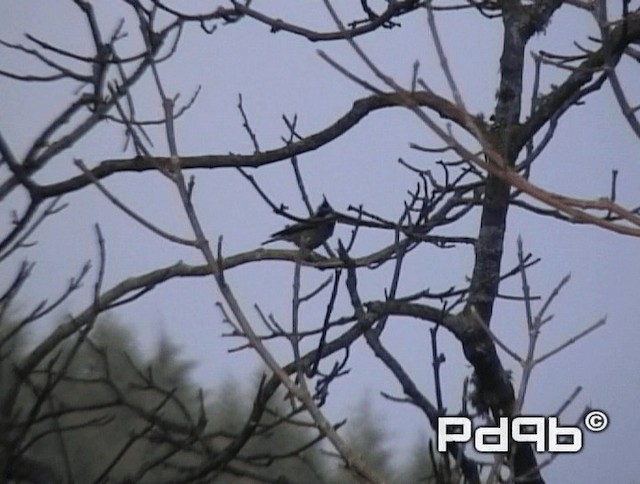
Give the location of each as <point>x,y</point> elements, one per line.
<point>291,230</point>
<point>294,229</point>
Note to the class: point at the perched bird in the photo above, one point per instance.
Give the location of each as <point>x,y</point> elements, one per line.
<point>309,233</point>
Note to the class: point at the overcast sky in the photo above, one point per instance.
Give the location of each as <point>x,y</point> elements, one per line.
<point>282,74</point>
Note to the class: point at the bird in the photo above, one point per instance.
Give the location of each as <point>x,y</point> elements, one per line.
<point>310,233</point>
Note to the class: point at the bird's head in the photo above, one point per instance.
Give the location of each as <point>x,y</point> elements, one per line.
<point>324,209</point>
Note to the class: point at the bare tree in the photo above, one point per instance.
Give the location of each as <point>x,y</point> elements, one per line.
<point>480,164</point>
